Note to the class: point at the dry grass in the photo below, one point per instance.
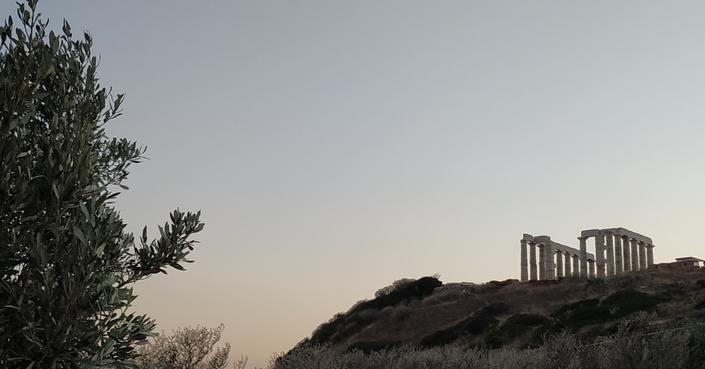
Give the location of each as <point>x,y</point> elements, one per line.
<point>670,349</point>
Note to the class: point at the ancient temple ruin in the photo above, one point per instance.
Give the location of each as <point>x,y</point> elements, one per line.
<point>616,251</point>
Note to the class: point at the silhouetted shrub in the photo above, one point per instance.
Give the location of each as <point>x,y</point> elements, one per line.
<point>479,322</point>
<point>494,286</point>
<point>622,303</point>
<point>580,314</point>
<point>414,290</point>
<point>326,330</point>
<point>514,327</point>
<point>700,283</point>
<point>593,312</point>
<point>677,288</point>
<point>366,312</point>
<point>394,286</point>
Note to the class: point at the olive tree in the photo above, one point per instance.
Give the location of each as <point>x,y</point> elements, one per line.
<point>67,263</point>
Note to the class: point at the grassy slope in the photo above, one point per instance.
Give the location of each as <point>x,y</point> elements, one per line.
<point>516,314</point>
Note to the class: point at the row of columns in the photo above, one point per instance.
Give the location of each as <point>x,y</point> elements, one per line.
<point>552,263</point>
<point>616,254</point>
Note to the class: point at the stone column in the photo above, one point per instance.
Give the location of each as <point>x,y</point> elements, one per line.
<point>559,265</point>
<point>600,255</point>
<point>618,266</point>
<point>524,263</point>
<point>550,264</point>
<point>542,262</point>
<point>642,256</point>
<point>627,255</point>
<point>576,266</point>
<point>583,257</point>
<point>649,255</point>
<point>610,254</point>
<point>532,261</point>
<point>566,268</point>
<point>635,255</point>
<point>591,269</point>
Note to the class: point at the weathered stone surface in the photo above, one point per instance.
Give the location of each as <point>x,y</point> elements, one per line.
<point>524,262</point>
<point>618,266</point>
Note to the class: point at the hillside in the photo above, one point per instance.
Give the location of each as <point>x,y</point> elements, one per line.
<point>426,313</point>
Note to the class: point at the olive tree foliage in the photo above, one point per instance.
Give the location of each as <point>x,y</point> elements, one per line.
<point>67,263</point>
<point>187,348</point>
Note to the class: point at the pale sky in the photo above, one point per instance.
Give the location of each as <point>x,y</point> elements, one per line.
<point>335,147</point>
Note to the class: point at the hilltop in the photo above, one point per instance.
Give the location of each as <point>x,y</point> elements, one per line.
<point>426,313</point>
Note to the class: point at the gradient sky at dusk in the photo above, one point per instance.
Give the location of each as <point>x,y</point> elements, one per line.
<point>335,147</point>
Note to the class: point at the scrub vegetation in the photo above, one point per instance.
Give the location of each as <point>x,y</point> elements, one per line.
<point>426,313</point>
<point>672,349</point>
<point>650,319</point>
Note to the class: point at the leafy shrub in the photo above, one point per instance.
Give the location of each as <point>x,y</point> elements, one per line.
<point>394,286</point>
<point>358,317</point>
<point>479,322</point>
<point>579,314</point>
<point>700,305</point>
<point>494,286</point>
<point>622,303</point>
<point>413,290</point>
<point>593,311</point>
<point>513,328</point>
<point>700,283</point>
